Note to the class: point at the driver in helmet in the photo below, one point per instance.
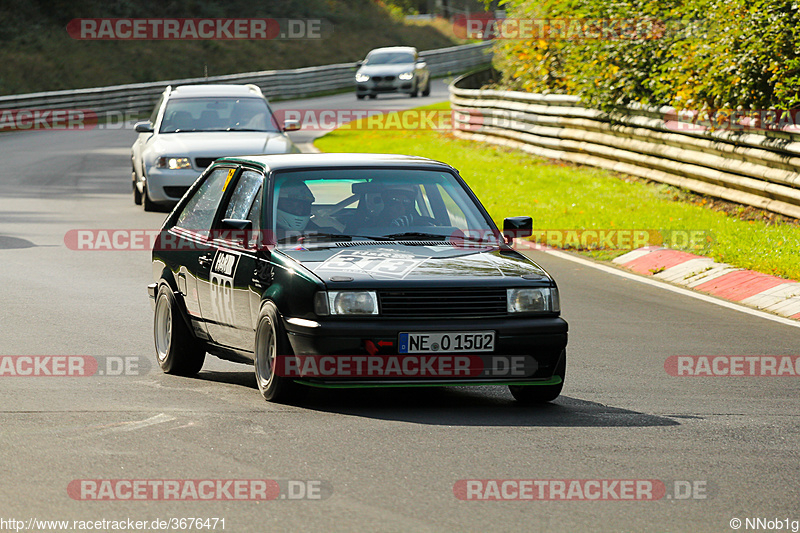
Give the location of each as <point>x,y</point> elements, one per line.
<point>399,206</point>
<point>294,207</point>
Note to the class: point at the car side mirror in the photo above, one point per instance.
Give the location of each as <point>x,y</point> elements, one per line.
<point>143,127</point>
<point>359,63</point>
<point>291,125</point>
<point>237,231</point>
<point>517,227</point>
<point>421,64</point>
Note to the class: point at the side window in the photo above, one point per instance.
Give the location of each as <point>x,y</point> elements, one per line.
<point>254,215</point>
<point>243,196</point>
<point>154,114</point>
<point>198,215</point>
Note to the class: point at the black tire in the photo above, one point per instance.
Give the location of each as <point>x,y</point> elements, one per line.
<point>178,351</point>
<point>415,92</point>
<point>360,96</point>
<point>270,342</point>
<point>373,96</point>
<point>137,196</point>
<point>149,205</point>
<point>427,90</point>
<point>533,394</point>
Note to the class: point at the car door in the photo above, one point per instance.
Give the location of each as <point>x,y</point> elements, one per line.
<point>189,243</point>
<point>235,264</point>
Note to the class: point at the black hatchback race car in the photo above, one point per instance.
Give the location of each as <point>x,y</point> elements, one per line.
<point>352,270</point>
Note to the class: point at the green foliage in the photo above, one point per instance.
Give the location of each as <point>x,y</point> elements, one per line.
<point>566,197</point>
<point>698,54</point>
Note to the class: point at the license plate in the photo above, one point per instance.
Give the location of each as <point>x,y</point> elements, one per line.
<point>446,342</point>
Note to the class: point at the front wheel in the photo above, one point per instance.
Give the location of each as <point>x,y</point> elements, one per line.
<point>532,394</point>
<point>427,90</point>
<point>137,196</point>
<point>149,205</point>
<point>271,342</point>
<point>177,349</point>
<point>360,96</point>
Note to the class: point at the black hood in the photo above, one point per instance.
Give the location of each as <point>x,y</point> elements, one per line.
<point>445,264</point>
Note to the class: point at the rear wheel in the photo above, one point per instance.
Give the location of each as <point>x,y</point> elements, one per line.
<point>532,394</point>
<point>427,90</point>
<point>360,96</point>
<point>271,342</point>
<point>177,349</point>
<point>373,96</point>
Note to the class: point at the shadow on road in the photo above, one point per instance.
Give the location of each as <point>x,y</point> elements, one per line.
<point>457,406</point>
<point>10,243</point>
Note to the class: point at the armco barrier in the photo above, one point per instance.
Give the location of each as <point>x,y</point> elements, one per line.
<point>757,169</point>
<point>276,84</point>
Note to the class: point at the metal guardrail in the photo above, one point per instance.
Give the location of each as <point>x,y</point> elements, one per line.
<point>139,98</point>
<point>756,169</point>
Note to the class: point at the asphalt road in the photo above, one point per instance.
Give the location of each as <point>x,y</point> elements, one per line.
<point>388,459</point>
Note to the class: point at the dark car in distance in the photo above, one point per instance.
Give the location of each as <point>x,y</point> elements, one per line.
<point>352,270</point>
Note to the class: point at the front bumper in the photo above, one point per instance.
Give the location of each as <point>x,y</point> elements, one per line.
<point>166,185</point>
<point>393,86</point>
<point>542,339</point>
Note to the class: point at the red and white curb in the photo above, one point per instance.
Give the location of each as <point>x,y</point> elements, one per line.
<point>769,293</point>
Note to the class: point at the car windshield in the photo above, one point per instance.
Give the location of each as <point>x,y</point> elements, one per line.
<point>389,58</point>
<point>217,114</point>
<point>336,205</point>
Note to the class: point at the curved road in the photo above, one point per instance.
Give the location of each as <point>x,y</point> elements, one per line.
<point>388,459</point>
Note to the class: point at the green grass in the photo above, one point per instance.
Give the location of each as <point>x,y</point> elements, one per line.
<point>566,197</point>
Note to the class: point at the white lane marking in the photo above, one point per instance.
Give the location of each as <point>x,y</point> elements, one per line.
<point>679,290</point>
<point>139,424</point>
<point>635,254</point>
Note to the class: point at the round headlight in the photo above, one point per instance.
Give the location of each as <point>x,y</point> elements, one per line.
<point>354,303</point>
<point>528,300</point>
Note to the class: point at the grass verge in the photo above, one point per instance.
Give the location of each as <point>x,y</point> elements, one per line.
<point>575,199</point>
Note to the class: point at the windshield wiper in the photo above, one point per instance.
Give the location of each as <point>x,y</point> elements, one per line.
<point>331,237</point>
<point>422,235</point>
<point>414,234</point>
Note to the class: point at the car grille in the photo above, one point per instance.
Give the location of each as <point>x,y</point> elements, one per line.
<point>383,78</point>
<point>175,192</point>
<point>203,162</point>
<point>421,303</point>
